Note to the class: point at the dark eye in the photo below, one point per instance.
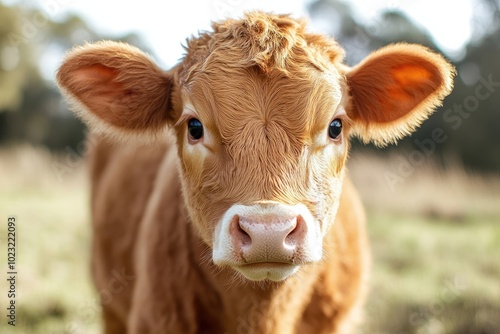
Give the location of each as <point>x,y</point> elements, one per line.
<point>335,128</point>
<point>195,129</point>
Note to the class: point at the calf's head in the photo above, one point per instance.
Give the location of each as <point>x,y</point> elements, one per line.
<point>262,111</point>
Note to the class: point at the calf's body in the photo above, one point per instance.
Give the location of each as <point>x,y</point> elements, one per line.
<point>235,215</point>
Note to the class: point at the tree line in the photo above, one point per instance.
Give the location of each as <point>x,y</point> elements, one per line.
<point>31,108</point>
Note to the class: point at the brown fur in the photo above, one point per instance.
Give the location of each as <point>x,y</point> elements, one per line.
<point>265,91</point>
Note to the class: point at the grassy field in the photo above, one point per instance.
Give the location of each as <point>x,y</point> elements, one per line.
<point>435,237</point>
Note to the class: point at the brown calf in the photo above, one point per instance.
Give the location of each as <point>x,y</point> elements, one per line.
<point>235,216</point>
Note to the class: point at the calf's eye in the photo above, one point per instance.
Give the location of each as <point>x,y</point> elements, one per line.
<point>335,128</point>
<point>195,129</point>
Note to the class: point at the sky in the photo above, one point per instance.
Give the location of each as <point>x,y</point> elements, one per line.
<point>165,26</point>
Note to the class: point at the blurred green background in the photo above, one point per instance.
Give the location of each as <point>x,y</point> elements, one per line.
<point>433,208</point>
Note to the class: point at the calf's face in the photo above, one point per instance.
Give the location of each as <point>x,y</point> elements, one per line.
<point>262,112</point>
<point>262,159</point>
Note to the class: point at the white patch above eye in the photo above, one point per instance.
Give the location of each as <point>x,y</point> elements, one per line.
<point>340,112</point>
<point>188,111</point>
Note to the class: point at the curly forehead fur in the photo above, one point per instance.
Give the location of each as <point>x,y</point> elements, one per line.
<point>269,42</point>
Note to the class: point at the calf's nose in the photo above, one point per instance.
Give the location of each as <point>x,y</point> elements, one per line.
<point>269,238</point>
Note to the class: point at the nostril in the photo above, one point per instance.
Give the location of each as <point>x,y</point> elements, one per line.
<point>296,234</point>
<point>238,232</point>
<point>243,235</point>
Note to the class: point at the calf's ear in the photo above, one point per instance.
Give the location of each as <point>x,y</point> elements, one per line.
<point>116,88</point>
<point>394,89</point>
